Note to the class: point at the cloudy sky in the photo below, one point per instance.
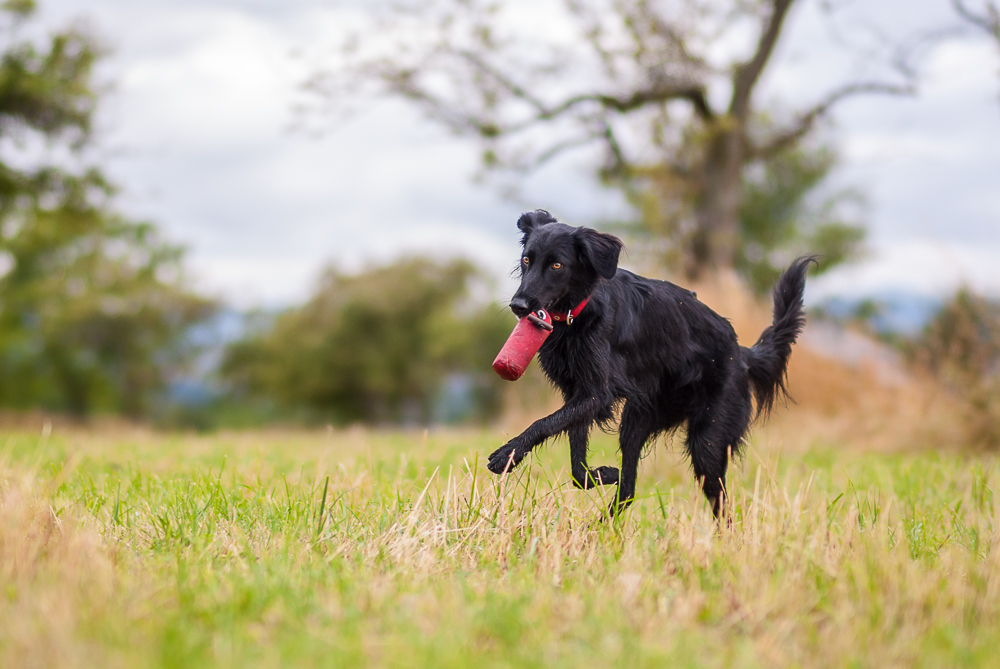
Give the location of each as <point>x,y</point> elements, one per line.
<point>196,130</point>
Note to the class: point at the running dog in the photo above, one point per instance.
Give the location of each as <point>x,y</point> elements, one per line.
<point>646,346</point>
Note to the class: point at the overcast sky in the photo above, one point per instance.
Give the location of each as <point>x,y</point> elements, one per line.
<point>196,131</point>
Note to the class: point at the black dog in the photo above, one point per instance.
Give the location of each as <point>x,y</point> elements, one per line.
<point>649,347</point>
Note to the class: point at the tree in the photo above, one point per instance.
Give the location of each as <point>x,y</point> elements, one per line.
<point>375,347</point>
<point>630,76</point>
<point>93,306</point>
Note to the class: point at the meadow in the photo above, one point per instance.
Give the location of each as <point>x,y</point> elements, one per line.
<point>863,533</point>
<point>127,548</point>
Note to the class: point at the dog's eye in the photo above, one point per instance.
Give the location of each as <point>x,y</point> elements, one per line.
<point>557,265</point>
<point>524,260</point>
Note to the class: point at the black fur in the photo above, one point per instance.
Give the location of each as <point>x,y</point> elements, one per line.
<point>649,347</point>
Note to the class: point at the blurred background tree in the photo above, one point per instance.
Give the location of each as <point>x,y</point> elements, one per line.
<point>385,346</point>
<point>93,306</point>
<point>787,210</point>
<point>633,79</point>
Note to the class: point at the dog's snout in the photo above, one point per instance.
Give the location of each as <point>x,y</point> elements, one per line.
<point>520,307</point>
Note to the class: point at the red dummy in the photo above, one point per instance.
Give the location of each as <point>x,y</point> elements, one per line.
<point>523,343</point>
<point>528,336</point>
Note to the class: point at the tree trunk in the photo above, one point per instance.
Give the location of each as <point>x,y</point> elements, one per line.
<point>716,237</point>
<point>715,241</point>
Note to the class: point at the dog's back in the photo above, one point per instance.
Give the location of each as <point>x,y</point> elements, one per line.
<point>660,339</point>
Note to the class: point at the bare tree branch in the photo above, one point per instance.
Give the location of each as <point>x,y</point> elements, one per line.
<point>747,74</point>
<point>990,22</point>
<point>559,147</point>
<point>515,89</point>
<point>404,84</point>
<point>807,120</point>
<point>619,165</point>
<point>693,93</point>
<point>664,92</point>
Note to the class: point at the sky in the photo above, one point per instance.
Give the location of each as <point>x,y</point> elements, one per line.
<point>197,127</point>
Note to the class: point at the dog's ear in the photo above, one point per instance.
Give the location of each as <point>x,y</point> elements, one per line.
<point>599,250</point>
<point>532,220</point>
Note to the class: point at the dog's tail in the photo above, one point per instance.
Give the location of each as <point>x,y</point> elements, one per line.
<point>768,358</point>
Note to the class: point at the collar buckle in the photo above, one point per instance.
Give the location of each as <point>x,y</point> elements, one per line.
<point>571,315</point>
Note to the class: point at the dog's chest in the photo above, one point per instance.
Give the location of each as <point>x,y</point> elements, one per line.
<point>569,358</point>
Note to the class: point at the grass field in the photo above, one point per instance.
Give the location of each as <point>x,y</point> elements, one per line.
<point>127,548</point>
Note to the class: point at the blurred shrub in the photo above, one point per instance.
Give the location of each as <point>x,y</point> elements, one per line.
<point>961,346</point>
<point>93,307</point>
<point>404,343</point>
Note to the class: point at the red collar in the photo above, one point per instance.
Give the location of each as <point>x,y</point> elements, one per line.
<point>570,316</point>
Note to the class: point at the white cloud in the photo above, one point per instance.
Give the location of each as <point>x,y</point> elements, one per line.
<point>927,266</point>
<point>875,146</point>
<point>221,90</point>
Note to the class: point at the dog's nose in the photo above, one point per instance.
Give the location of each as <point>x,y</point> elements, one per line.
<point>520,307</point>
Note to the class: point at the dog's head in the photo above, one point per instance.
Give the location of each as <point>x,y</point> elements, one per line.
<point>560,265</point>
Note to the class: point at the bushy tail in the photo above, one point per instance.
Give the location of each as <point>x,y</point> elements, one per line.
<point>768,358</point>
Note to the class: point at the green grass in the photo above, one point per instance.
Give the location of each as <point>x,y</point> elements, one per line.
<point>398,549</point>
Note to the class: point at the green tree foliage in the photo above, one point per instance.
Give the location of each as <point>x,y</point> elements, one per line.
<point>961,346</point>
<point>377,346</point>
<point>781,216</point>
<point>92,306</point>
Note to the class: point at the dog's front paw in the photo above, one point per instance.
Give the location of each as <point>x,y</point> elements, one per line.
<point>504,459</point>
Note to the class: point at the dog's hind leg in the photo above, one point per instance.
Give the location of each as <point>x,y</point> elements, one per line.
<point>634,431</point>
<point>583,476</point>
<point>709,447</point>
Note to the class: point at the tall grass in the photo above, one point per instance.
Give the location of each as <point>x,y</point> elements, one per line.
<point>398,549</point>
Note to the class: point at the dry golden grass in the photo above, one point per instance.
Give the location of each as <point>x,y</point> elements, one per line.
<point>56,574</point>
<point>367,548</point>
